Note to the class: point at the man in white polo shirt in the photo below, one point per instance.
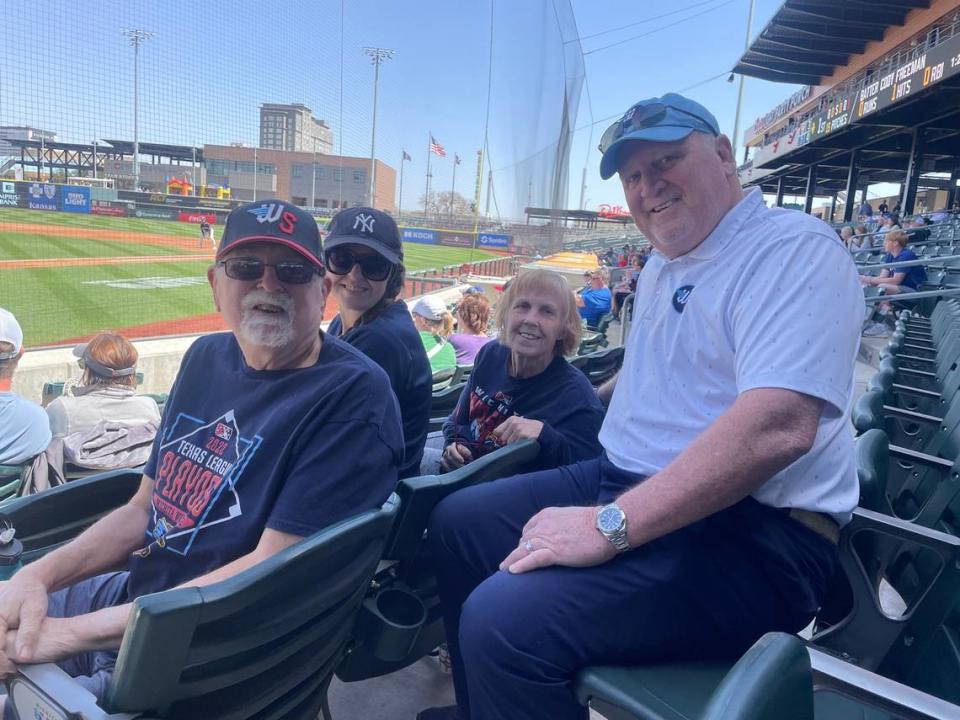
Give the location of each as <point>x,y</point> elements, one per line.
<point>728,467</point>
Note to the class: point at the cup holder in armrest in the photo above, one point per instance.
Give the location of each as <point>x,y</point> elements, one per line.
<point>390,623</point>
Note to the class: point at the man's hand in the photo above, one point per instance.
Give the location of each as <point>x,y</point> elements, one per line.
<point>455,455</point>
<point>56,642</point>
<point>516,428</point>
<point>23,608</point>
<point>560,536</point>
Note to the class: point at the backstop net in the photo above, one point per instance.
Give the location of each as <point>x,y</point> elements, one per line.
<point>129,128</point>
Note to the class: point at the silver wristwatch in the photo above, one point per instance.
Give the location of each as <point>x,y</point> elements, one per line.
<point>612,523</point>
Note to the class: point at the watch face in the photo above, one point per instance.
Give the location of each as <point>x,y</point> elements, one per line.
<point>609,519</point>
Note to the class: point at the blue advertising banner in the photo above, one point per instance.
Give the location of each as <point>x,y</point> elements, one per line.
<point>42,196</point>
<point>418,235</point>
<point>75,199</point>
<point>8,195</point>
<point>492,240</point>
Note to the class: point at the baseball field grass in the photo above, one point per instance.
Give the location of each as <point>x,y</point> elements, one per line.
<point>68,276</point>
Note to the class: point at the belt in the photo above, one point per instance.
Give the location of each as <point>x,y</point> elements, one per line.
<point>820,523</point>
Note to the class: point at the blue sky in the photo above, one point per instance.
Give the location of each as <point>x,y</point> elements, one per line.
<point>209,66</point>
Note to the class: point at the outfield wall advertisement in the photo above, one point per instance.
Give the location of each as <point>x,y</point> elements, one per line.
<point>75,199</point>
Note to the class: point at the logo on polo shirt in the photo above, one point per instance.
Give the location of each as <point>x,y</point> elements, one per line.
<point>681,296</point>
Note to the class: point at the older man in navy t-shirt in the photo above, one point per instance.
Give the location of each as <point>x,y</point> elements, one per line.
<point>233,477</point>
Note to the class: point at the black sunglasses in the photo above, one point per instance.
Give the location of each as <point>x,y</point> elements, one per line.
<point>642,118</point>
<point>291,273</point>
<point>340,261</point>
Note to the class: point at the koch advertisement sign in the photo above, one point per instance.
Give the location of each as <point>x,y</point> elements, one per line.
<point>494,241</point>
<point>8,194</point>
<point>42,196</point>
<point>75,199</point>
<point>419,235</point>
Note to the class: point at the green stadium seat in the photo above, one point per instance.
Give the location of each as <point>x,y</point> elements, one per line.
<point>866,653</point>
<point>443,403</point>
<point>261,644</point>
<point>11,478</point>
<point>49,519</point>
<point>393,634</point>
<point>599,366</point>
<point>443,378</point>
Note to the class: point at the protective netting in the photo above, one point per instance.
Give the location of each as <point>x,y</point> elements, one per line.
<point>248,101</point>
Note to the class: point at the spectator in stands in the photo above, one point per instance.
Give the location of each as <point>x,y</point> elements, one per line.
<point>233,477</point>
<point>435,323</point>
<point>107,389</point>
<point>846,233</point>
<point>594,302</point>
<point>626,286</point>
<point>24,430</point>
<point>866,209</point>
<point>897,280</point>
<point>896,209</point>
<point>365,258</point>
<point>522,387</point>
<point>882,208</point>
<point>473,320</point>
<point>918,232</point>
<point>713,515</point>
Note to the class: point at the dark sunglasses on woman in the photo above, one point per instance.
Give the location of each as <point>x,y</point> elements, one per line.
<point>291,273</point>
<point>340,261</point>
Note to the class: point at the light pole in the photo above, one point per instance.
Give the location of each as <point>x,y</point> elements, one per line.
<point>254,173</point>
<point>736,118</point>
<point>313,174</point>
<point>94,159</point>
<point>136,37</point>
<point>376,55</point>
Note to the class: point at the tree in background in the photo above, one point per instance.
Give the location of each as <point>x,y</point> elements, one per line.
<point>439,204</point>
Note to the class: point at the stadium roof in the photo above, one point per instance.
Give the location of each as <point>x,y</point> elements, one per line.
<point>174,152</point>
<point>807,40</point>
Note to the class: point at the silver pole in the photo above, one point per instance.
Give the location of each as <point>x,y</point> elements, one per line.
<point>193,171</point>
<point>376,55</point>
<point>94,159</point>
<point>254,173</point>
<point>736,118</point>
<point>136,37</point>
<point>313,174</point>
<point>400,200</point>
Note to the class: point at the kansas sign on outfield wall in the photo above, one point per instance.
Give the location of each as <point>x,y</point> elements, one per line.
<point>42,196</point>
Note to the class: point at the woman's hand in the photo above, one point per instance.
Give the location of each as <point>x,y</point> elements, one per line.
<point>455,455</point>
<point>516,428</point>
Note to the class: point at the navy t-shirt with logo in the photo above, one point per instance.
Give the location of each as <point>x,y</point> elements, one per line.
<point>242,449</point>
<point>560,397</point>
<point>393,342</point>
<point>915,274</point>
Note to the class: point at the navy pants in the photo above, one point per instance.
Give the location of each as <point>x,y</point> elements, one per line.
<point>707,590</point>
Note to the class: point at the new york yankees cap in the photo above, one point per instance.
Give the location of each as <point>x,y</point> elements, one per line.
<point>273,221</point>
<point>10,332</point>
<point>368,227</point>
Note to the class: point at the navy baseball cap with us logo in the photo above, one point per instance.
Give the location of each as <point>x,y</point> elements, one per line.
<point>368,227</point>
<point>273,221</point>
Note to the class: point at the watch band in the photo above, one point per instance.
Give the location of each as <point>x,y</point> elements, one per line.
<point>618,537</point>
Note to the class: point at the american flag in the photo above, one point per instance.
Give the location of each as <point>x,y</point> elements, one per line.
<point>436,148</point>
<point>456,159</point>
<point>406,156</point>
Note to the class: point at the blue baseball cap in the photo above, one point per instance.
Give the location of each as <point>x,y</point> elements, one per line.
<point>663,119</point>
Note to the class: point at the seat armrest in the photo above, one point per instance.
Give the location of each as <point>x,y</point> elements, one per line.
<point>920,392</point>
<point>830,672</point>
<point>916,456</point>
<point>893,411</point>
<point>46,691</point>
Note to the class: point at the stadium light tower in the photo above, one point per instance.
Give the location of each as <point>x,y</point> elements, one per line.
<point>376,55</point>
<point>136,38</point>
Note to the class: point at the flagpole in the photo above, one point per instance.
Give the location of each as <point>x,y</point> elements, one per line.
<point>426,197</point>
<point>453,185</point>
<point>400,201</point>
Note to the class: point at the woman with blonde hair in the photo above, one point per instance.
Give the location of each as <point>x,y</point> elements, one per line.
<point>106,390</point>
<point>473,318</point>
<point>522,387</point>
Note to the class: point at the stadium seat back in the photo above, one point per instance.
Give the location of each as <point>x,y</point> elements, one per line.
<point>263,643</point>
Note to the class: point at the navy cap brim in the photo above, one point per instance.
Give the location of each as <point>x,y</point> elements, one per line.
<point>224,249</point>
<point>610,162</point>
<point>331,243</point>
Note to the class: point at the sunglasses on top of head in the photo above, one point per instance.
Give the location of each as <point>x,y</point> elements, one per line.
<point>642,118</point>
<point>290,273</point>
<point>340,261</point>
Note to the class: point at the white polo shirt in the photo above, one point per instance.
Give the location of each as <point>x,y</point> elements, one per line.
<point>770,299</point>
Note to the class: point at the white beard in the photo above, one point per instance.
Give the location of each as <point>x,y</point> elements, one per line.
<point>263,329</point>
